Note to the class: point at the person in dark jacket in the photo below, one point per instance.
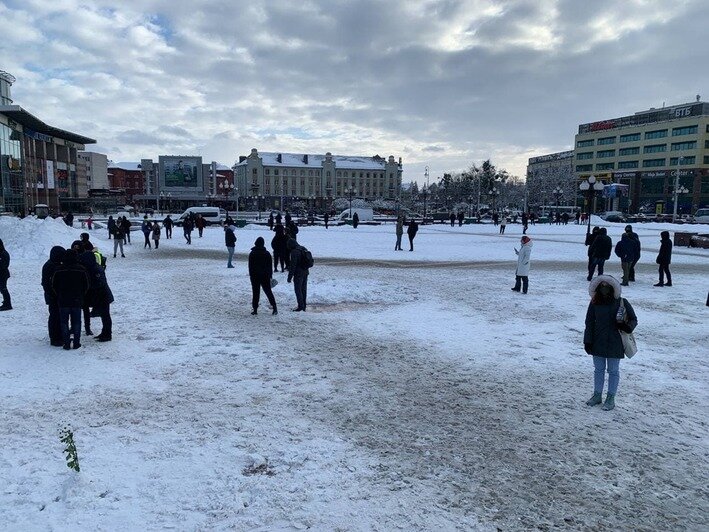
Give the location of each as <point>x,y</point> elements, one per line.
<point>288,219</point>
<point>70,283</point>
<point>279,219</point>
<point>126,225</point>
<point>280,251</point>
<point>298,273</point>
<point>111,226</point>
<point>590,238</point>
<point>187,228</point>
<point>260,274</point>
<point>604,318</point>
<point>411,232</point>
<point>626,249</point>
<point>167,223</point>
<point>146,227</point>
<point>326,219</point>
<point>99,295</point>
<point>461,218</point>
<point>664,258</point>
<point>86,243</point>
<point>638,247</point>
<point>452,219</point>
<point>69,219</point>
<point>292,230</point>
<point>50,298</point>
<point>271,221</point>
<point>600,251</point>
<point>118,236</point>
<point>355,220</point>
<point>230,242</point>
<point>200,223</point>
<point>4,276</point>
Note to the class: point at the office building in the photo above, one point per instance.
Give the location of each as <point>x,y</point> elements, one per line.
<point>547,172</point>
<point>96,168</point>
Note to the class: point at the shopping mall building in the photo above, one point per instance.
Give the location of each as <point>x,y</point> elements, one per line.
<point>647,151</point>
<point>278,179</point>
<point>38,162</point>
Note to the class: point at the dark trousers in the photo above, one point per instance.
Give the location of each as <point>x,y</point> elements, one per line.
<point>86,311</point>
<point>168,232</point>
<point>261,284</point>
<point>632,270</point>
<point>523,281</point>
<point>411,242</point>
<point>53,324</point>
<point>126,238</point>
<point>6,302</point>
<point>104,312</point>
<point>188,237</point>
<point>593,262</point>
<point>626,272</point>
<point>157,243</point>
<point>502,229</point>
<point>200,229</point>
<point>279,257</point>
<point>65,313</point>
<point>300,285</point>
<point>665,270</point>
<point>397,246</point>
<point>147,241</point>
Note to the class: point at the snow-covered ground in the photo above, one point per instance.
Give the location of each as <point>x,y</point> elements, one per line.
<point>417,393</point>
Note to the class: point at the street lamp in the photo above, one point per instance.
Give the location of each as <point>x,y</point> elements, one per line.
<point>349,191</point>
<point>470,205</point>
<point>589,186</point>
<point>677,192</point>
<point>424,193</point>
<point>226,189</point>
<point>162,201</point>
<point>558,192</point>
<point>493,193</point>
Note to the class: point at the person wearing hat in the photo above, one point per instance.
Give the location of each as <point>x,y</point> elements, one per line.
<point>260,274</point>
<point>523,258</point>
<point>636,241</point>
<point>607,314</point>
<point>664,258</point>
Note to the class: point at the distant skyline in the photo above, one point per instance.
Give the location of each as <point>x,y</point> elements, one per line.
<point>442,84</point>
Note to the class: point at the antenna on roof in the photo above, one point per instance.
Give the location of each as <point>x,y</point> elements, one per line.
<point>698,97</point>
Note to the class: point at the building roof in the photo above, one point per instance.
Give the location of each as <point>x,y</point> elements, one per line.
<point>129,166</point>
<point>19,115</point>
<point>296,160</point>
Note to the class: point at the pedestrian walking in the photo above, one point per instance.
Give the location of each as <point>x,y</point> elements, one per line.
<point>230,242</point>
<point>525,222</point>
<point>664,258</point>
<point>565,218</point>
<point>288,219</point>
<point>111,226</point>
<point>625,250</point>
<point>411,232</point>
<point>461,218</point>
<point>70,283</point>
<point>187,228</point>
<point>279,219</point>
<point>56,254</point>
<point>326,218</point>
<point>503,224</point>
<point>280,249</point>
<point>90,222</point>
<point>118,237</point>
<point>4,276</point>
<point>156,234</point>
<point>607,314</point>
<point>523,259</point>
<point>126,225</point>
<point>98,296</point>
<point>200,223</point>
<point>355,220</point>
<point>399,233</point>
<point>452,219</point>
<point>600,251</point>
<point>298,273</point>
<point>260,274</point>
<point>638,248</point>
<point>167,223</point>
<point>577,216</point>
<point>495,218</point>
<point>270,222</point>
<point>146,227</point>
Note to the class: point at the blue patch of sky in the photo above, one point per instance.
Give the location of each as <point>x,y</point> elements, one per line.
<point>163,23</point>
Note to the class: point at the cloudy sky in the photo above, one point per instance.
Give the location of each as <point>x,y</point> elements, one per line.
<point>439,83</point>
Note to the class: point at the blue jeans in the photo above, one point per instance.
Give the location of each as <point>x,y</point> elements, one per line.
<point>600,365</point>
<point>231,256</point>
<point>75,314</point>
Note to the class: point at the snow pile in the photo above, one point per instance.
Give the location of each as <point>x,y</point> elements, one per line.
<point>31,239</point>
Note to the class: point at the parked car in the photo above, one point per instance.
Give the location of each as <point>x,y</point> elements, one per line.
<point>701,216</point>
<point>613,216</point>
<point>211,215</point>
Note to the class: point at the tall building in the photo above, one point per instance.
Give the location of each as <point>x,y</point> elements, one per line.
<point>96,167</point>
<point>38,162</point>
<point>647,151</point>
<point>547,172</point>
<point>127,176</point>
<point>280,178</point>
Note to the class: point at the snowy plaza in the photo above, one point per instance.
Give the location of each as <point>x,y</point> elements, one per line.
<point>418,392</point>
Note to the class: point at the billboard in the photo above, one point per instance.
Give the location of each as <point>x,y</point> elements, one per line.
<point>181,172</point>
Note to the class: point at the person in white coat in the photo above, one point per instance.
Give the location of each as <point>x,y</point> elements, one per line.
<point>522,272</point>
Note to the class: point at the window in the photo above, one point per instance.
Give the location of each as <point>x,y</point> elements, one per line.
<point>584,155</point>
<point>367,174</point>
<point>655,148</point>
<point>706,159</point>
<point>683,160</point>
<point>275,172</point>
<point>606,140</point>
<point>605,166</point>
<point>604,154</point>
<point>657,134</point>
<point>302,173</point>
<point>584,143</point>
<point>339,174</point>
<point>630,138</point>
<point>627,164</point>
<point>361,174</point>
<point>688,130</point>
<point>648,163</point>
<point>310,173</point>
<point>584,167</point>
<point>677,146</point>
<point>267,171</point>
<point>628,151</point>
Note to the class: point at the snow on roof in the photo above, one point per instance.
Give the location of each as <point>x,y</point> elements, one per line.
<point>292,160</point>
<point>124,165</point>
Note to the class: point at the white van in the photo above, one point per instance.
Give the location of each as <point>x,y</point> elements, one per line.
<point>702,216</point>
<point>211,215</point>
<point>364,214</point>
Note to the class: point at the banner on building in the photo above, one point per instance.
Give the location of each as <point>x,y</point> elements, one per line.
<point>181,172</point>
<point>615,190</point>
<point>50,174</point>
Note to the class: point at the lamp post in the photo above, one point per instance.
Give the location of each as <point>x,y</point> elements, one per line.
<point>349,191</point>
<point>161,202</point>
<point>424,193</point>
<point>589,186</point>
<point>470,205</point>
<point>493,193</point>
<point>558,192</point>
<point>676,192</point>
<point>226,189</point>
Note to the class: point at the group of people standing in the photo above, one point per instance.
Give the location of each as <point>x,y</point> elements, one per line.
<point>411,230</point>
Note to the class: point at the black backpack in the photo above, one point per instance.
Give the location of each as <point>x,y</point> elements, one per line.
<point>306,258</point>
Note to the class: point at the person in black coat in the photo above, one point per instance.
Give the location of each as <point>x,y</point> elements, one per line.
<point>461,218</point>
<point>167,224</point>
<point>638,248</point>
<point>326,219</point>
<point>288,219</point>
<point>355,220</point>
<point>292,230</point>
<point>99,294</point>
<point>187,228</point>
<point>4,276</point>
<point>126,225</point>
<point>452,219</point>
<point>590,238</point>
<point>626,249</point>
<point>664,258</point>
<point>70,283</point>
<point>111,226</point>
<point>298,273</point>
<point>279,219</point>
<point>260,274</point>
<point>50,298</point>
<point>230,243</point>
<point>600,251</point>
<point>278,244</point>
<point>411,232</point>
<point>270,222</point>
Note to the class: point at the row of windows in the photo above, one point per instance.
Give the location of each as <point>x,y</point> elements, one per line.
<point>654,148</point>
<point>631,137</point>
<point>647,163</point>
<point>340,173</point>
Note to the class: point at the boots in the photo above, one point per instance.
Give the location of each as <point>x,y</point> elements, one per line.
<point>254,312</point>
<point>610,402</point>
<point>595,399</point>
